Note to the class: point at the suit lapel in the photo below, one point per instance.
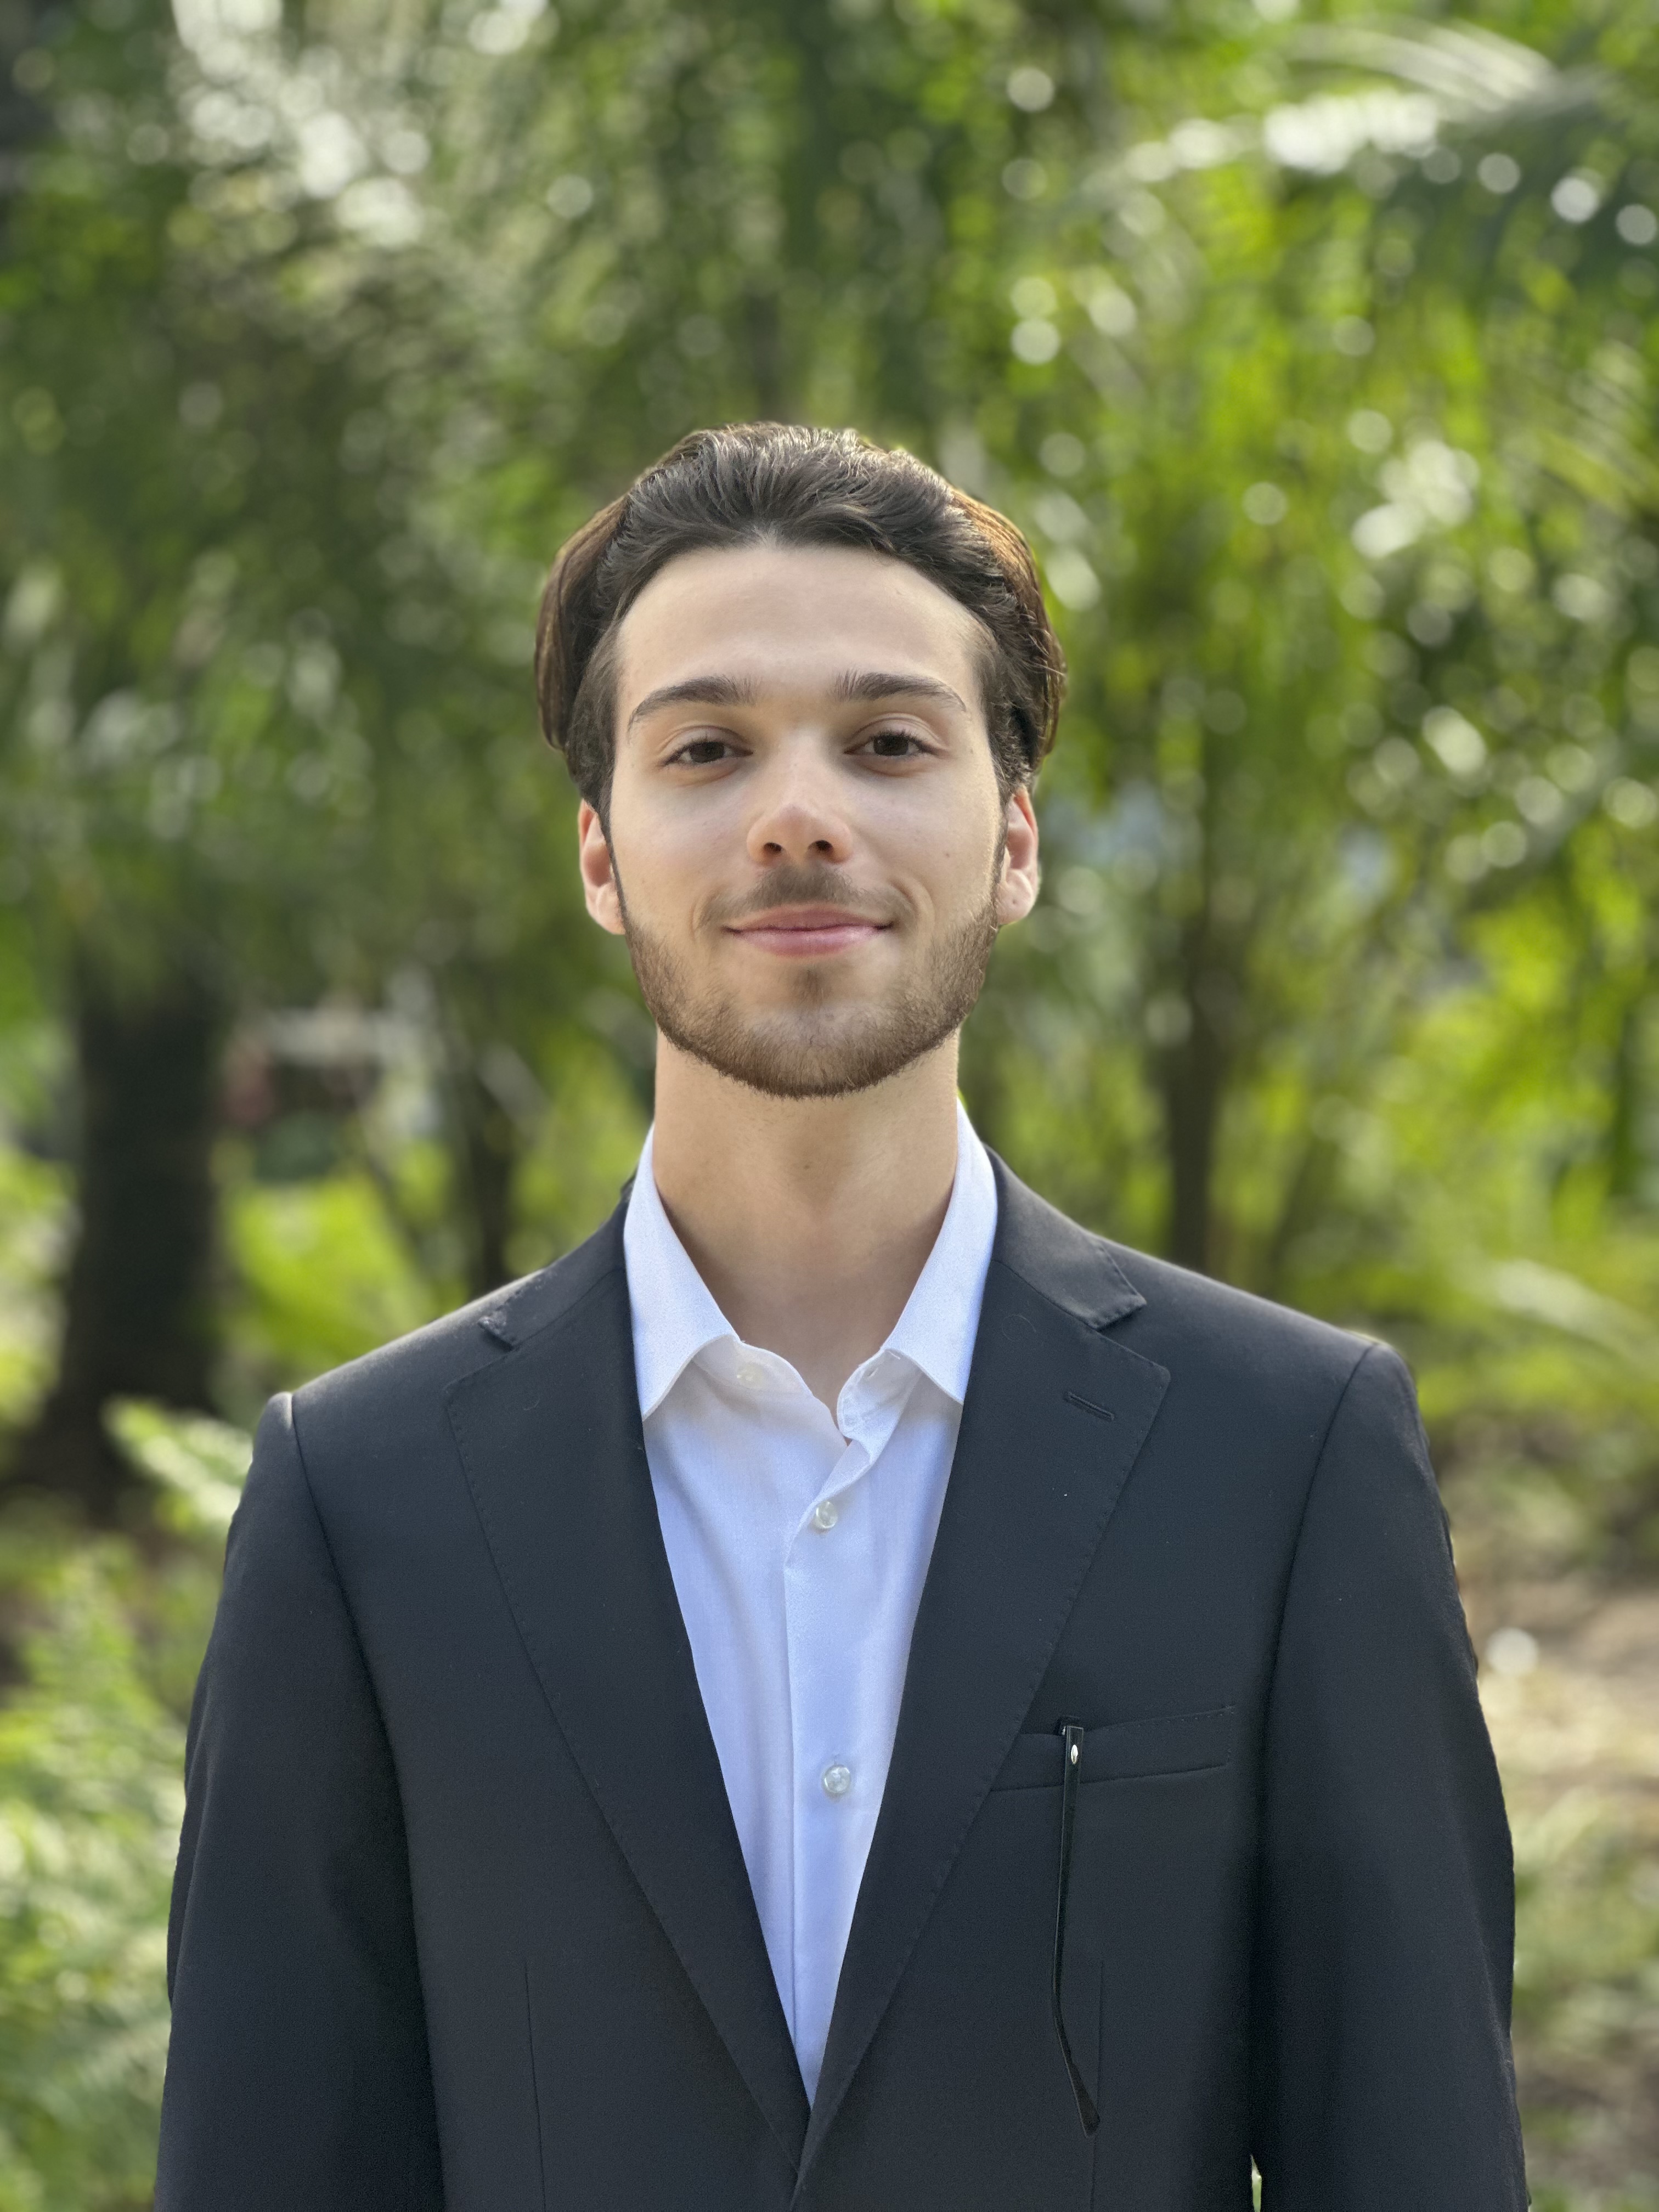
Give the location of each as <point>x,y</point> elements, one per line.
<point>550,1438</point>
<point>1054,1416</point>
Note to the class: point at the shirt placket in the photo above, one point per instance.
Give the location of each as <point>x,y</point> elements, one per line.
<point>831,1593</point>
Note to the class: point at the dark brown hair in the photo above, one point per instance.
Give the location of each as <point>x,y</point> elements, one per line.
<point>751,482</point>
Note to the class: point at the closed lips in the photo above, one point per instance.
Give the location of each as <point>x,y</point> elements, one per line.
<point>809,930</point>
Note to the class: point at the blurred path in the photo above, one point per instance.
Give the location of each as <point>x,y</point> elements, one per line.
<point>1570,1678</point>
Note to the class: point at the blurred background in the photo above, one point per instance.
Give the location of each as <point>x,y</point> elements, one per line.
<point>1315,351</point>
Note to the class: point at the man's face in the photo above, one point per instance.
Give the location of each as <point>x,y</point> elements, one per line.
<point>808,851</point>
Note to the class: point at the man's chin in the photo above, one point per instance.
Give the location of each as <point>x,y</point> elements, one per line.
<point>801,1057</point>
<point>835,1034</point>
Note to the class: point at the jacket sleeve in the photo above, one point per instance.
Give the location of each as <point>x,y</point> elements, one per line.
<point>297,2073</point>
<point>1381,2069</point>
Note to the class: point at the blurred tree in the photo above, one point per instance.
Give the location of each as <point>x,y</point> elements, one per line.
<point>137,1304</point>
<point>206,494</point>
<point>137,495</point>
<point>1356,642</point>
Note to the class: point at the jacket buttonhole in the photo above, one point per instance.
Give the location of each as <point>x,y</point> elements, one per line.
<point>1088,1406</point>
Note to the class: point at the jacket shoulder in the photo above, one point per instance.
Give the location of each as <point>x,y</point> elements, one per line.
<point>1199,1305</point>
<point>1182,1320</point>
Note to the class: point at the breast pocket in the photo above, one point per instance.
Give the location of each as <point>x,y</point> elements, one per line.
<point>1133,1868</point>
<point>1126,1751</point>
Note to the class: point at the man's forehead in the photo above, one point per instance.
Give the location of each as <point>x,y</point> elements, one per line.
<point>828,618</point>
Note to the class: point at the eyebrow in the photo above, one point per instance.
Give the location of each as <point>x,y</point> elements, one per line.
<point>872,684</point>
<point>697,691</point>
<point>862,684</point>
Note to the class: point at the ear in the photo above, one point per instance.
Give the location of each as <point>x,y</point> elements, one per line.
<point>598,870</point>
<point>1022,875</point>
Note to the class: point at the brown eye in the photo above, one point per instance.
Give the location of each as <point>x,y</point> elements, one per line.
<point>702,752</point>
<point>894,744</point>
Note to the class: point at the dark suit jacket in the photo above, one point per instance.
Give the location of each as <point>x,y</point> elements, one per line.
<point>461,1917</point>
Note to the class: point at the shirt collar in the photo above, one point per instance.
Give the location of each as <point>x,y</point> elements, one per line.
<point>936,1330</point>
<point>674,1312</point>
<point>675,1316</point>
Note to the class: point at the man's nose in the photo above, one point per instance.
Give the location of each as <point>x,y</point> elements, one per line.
<point>798,817</point>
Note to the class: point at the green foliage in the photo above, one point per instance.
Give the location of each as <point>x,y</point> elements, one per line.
<point>90,1797</point>
<point>32,1204</point>
<point>200,1462</point>
<point>91,1792</point>
<point>323,1275</point>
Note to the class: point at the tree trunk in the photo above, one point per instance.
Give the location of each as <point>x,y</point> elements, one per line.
<point>489,1157</point>
<point>138,1318</point>
<point>22,118</point>
<point>1625,1102</point>
<point>1192,1071</point>
<point>1192,1103</point>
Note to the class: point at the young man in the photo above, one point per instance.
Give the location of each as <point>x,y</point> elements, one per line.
<point>846,1691</point>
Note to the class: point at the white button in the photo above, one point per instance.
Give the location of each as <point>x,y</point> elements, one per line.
<point>751,1376</point>
<point>837,1781</point>
<point>825,1513</point>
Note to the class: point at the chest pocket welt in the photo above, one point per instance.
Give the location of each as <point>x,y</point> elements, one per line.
<point>1123,1751</point>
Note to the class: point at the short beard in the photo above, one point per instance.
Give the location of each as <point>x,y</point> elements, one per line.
<point>817,1050</point>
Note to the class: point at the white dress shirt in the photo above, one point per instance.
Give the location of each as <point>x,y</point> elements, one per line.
<point>798,1544</point>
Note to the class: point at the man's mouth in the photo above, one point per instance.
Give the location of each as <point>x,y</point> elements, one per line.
<point>807,932</point>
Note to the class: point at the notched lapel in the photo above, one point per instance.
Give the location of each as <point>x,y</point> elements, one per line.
<point>551,1439</point>
<point>1055,1418</point>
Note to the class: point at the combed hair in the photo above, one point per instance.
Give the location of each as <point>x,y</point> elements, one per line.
<point>779,483</point>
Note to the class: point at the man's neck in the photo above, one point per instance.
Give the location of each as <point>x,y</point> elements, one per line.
<point>809,1219</point>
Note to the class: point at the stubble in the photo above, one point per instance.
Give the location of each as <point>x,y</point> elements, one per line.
<point>816,1046</point>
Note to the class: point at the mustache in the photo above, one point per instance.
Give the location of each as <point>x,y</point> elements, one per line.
<point>793,885</point>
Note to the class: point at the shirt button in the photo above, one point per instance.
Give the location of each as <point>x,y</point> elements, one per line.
<point>825,1513</point>
<point>751,1376</point>
<point>837,1780</point>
